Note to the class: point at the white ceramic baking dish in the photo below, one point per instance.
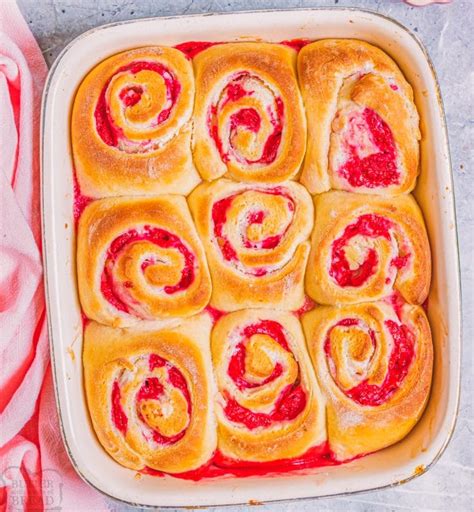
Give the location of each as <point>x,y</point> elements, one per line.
<point>394,465</point>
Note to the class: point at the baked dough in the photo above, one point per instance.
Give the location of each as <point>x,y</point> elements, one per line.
<point>140,261</point>
<point>269,405</point>
<point>363,126</point>
<point>365,247</point>
<point>167,391</point>
<point>255,241</point>
<point>374,365</point>
<point>150,394</point>
<point>131,125</point>
<point>249,121</point>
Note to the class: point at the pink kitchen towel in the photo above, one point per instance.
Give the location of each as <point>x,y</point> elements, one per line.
<point>35,473</point>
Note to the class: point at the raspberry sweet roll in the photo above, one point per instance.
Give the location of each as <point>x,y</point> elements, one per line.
<point>139,260</point>
<point>131,125</point>
<point>151,394</point>
<point>374,365</point>
<point>249,121</point>
<point>269,406</point>
<point>255,237</point>
<point>366,247</point>
<point>363,126</point>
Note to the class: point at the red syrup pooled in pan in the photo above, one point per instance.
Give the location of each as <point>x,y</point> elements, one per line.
<point>220,465</point>
<point>80,200</point>
<point>193,48</point>
<point>296,44</point>
<point>214,313</point>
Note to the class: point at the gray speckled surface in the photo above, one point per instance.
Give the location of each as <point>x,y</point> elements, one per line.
<point>447,33</point>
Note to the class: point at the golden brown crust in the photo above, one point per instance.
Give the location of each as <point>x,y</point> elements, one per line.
<point>281,439</point>
<point>401,252</point>
<point>145,264</point>
<point>261,78</point>
<point>254,276</point>
<point>355,428</point>
<point>121,357</point>
<point>161,239</point>
<point>342,77</point>
<point>148,157</point>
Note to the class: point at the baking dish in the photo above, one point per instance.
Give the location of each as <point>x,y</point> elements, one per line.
<point>394,465</point>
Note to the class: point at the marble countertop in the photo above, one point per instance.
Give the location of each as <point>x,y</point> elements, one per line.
<point>446,32</point>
